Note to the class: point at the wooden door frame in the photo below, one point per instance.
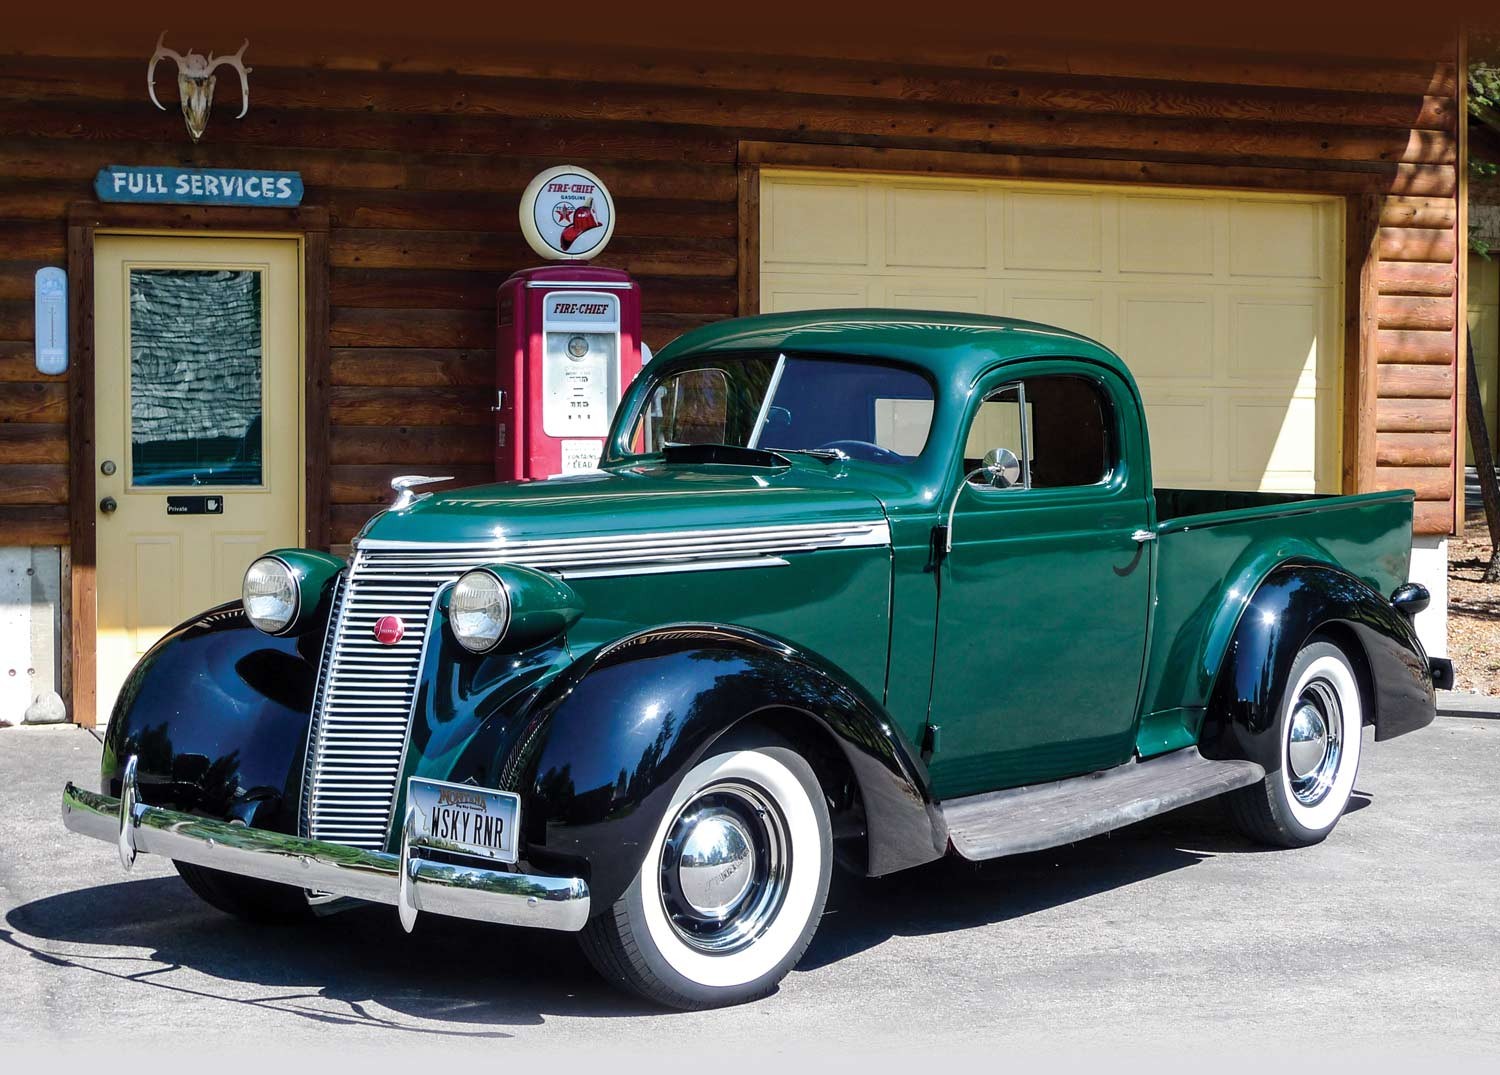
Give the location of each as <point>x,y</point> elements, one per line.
<point>1461,386</point>
<point>85,221</point>
<point>1361,193</point>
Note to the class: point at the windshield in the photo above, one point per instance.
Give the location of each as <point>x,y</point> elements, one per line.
<point>873,411</point>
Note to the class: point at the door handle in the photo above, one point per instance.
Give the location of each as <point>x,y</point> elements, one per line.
<point>1140,537</point>
<point>108,505</point>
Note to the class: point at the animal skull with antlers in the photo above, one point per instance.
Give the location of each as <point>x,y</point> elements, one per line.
<point>195,82</point>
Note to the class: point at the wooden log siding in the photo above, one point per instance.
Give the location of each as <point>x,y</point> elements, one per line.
<point>419,169</point>
<point>1417,375</point>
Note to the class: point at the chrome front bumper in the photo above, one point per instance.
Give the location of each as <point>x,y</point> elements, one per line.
<point>405,881</point>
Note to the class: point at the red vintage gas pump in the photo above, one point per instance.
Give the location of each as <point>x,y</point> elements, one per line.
<point>568,337</point>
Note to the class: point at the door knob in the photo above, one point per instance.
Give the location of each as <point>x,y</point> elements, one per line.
<point>108,505</point>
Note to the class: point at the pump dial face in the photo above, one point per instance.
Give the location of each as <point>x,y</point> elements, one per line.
<point>578,346</point>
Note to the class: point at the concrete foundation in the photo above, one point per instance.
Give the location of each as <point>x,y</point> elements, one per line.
<point>30,635</point>
<point>1429,566</point>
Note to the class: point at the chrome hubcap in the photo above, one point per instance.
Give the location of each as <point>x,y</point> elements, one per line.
<point>716,864</point>
<point>1314,744</point>
<point>724,867</point>
<point>1309,741</point>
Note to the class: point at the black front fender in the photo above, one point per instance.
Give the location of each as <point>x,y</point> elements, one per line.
<point>217,713</point>
<point>608,741</point>
<point>1295,601</point>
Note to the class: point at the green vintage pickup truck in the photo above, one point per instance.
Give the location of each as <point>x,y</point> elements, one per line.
<point>861,588</point>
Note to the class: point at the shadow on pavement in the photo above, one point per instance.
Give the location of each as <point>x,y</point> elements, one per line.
<point>954,894</point>
<point>352,968</point>
<point>473,979</point>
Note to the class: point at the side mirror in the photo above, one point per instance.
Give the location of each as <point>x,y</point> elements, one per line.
<point>1001,467</point>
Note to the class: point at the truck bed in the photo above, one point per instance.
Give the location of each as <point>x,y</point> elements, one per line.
<point>1369,535</point>
<point>1172,504</point>
<point>1214,547</point>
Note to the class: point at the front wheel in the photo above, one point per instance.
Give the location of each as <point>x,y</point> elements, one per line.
<point>1299,802</point>
<point>249,898</point>
<point>732,887</point>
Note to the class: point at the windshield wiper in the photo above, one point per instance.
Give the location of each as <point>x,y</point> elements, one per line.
<point>828,455</point>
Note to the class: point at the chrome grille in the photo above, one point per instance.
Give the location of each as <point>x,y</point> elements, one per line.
<point>366,691</point>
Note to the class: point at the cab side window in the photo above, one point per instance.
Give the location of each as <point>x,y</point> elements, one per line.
<point>1060,427</point>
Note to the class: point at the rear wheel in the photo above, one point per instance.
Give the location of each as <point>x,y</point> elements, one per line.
<point>1318,729</point>
<point>246,897</point>
<point>732,886</point>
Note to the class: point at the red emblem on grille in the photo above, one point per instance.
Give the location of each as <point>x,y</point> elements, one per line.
<point>389,630</point>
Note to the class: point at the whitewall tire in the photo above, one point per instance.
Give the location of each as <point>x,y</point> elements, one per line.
<point>1318,731</point>
<point>732,886</point>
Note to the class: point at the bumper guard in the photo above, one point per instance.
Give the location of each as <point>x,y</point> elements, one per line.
<point>405,881</point>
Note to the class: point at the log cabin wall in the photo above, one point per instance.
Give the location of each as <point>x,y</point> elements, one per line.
<point>419,169</point>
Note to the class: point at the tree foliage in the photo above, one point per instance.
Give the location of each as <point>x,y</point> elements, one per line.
<point>1484,105</point>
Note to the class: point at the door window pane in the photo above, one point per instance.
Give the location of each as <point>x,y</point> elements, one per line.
<point>1068,439</point>
<point>195,377</point>
<point>1070,436</point>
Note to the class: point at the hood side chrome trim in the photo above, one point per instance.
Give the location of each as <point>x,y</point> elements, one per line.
<point>395,563</point>
<point>667,569</point>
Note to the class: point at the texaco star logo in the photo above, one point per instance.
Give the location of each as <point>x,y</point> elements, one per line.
<point>562,212</point>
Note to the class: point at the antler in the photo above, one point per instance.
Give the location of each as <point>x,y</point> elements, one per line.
<point>161,50</point>
<point>237,61</point>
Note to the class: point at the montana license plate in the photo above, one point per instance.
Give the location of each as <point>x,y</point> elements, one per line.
<point>464,819</point>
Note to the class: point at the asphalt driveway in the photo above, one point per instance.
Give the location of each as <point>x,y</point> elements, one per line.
<point>1387,936</point>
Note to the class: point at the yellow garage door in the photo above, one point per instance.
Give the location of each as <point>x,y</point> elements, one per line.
<point>1227,307</point>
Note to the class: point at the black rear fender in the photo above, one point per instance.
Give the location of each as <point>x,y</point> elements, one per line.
<point>1296,601</point>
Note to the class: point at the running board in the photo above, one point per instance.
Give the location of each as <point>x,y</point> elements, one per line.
<point>1040,816</point>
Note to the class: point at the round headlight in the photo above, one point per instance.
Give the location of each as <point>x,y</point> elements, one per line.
<point>479,611</point>
<point>270,595</point>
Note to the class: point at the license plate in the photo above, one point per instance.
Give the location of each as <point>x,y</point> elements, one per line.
<point>464,819</point>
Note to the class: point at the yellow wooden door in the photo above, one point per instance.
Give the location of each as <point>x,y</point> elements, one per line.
<point>1227,307</point>
<point>198,428</point>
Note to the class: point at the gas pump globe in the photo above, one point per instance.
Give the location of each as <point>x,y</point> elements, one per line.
<point>568,336</point>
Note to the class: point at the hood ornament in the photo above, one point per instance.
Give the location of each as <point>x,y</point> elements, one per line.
<point>404,485</point>
<point>195,82</point>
